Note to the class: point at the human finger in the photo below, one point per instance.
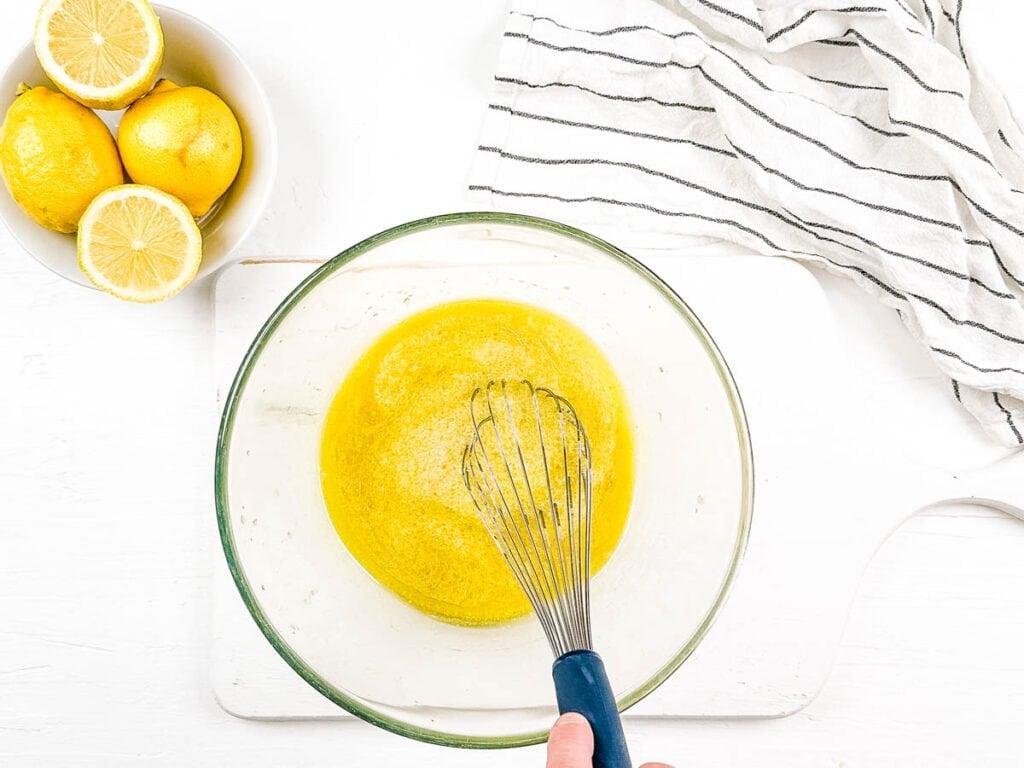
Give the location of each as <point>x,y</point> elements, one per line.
<point>571,743</point>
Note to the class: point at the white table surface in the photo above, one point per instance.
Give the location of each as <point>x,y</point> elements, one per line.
<point>107,426</point>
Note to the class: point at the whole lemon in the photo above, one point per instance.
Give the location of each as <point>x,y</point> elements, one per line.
<point>55,157</point>
<point>183,140</point>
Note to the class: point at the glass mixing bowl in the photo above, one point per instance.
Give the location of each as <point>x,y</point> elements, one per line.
<point>352,639</point>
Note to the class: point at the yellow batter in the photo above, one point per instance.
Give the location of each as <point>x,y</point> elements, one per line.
<point>393,441</point>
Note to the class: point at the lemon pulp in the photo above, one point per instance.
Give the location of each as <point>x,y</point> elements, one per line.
<point>139,243</point>
<point>104,54</point>
<point>391,452</point>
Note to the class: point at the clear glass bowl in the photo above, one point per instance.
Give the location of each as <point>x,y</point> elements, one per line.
<point>352,639</point>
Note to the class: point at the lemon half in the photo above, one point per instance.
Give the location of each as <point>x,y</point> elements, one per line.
<point>102,54</point>
<point>138,243</point>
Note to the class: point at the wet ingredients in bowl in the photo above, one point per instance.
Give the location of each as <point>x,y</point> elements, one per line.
<point>394,436</point>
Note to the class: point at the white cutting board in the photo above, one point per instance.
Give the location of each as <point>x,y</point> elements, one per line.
<point>850,437</point>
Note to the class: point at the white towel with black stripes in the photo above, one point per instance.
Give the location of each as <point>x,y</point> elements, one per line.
<point>861,137</point>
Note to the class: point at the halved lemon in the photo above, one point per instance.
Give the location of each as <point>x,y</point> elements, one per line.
<point>104,54</point>
<point>139,243</point>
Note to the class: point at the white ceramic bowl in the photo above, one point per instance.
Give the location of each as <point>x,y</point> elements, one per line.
<point>194,54</point>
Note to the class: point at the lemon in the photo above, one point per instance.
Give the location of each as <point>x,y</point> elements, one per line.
<point>139,243</point>
<point>55,157</point>
<point>183,140</point>
<point>102,53</point>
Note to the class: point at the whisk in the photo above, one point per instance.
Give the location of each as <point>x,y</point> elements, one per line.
<point>528,470</point>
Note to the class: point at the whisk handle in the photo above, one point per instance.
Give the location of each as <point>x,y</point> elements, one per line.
<point>581,685</point>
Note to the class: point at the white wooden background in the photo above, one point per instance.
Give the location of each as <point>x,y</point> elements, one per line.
<point>107,426</point>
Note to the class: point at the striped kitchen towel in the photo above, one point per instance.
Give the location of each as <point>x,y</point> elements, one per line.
<point>860,137</point>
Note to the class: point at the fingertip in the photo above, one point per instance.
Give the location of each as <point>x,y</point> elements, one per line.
<point>570,719</point>
<point>571,743</point>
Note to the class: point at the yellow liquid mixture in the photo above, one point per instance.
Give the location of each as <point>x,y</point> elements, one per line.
<point>393,441</point>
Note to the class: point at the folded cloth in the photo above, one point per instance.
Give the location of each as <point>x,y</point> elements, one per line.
<point>861,137</point>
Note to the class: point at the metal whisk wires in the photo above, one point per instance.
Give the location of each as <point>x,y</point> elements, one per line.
<point>527,468</point>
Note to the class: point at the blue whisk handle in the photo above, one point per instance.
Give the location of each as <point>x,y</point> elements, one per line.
<point>581,685</point>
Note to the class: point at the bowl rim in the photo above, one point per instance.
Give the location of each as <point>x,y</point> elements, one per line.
<point>233,397</point>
